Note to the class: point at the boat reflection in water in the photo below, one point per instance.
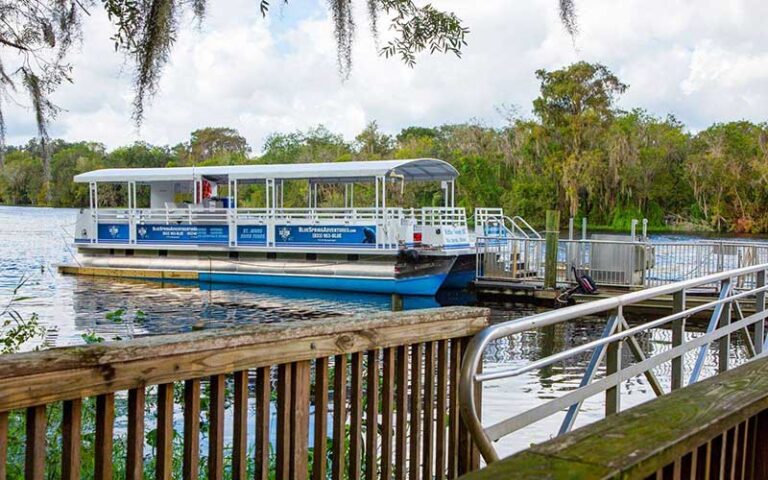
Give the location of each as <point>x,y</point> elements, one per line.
<point>153,307</point>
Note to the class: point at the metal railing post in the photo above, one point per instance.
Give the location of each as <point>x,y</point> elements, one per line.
<point>678,334</point>
<point>759,333</point>
<point>613,365</point>
<point>724,343</point>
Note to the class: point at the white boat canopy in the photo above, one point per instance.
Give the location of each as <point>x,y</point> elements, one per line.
<point>420,169</point>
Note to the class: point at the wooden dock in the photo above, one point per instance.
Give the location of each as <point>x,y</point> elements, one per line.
<point>128,273</point>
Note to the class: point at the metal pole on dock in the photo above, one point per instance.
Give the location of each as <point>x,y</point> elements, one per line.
<point>397,302</point>
<point>552,235</point>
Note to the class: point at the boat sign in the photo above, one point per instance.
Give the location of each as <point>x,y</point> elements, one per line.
<point>359,236</point>
<point>455,237</point>
<point>113,232</point>
<point>251,234</point>
<point>183,234</point>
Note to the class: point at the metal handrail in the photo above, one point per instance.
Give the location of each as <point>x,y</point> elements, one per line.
<point>527,225</point>
<point>470,378</point>
<point>484,216</point>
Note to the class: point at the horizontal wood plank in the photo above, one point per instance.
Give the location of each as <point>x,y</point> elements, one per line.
<point>76,372</point>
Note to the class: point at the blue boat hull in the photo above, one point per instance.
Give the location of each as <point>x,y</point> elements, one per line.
<point>462,273</point>
<point>459,280</point>
<point>421,285</point>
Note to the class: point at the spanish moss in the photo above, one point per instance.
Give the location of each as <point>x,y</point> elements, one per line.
<point>568,17</point>
<point>152,52</point>
<point>344,31</point>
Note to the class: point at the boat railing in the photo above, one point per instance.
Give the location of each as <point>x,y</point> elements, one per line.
<point>202,214</point>
<point>337,214</point>
<point>181,215</point>
<point>421,216</point>
<point>686,359</point>
<point>438,216</point>
<point>117,215</point>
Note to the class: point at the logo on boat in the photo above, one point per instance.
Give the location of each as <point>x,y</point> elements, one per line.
<point>142,231</point>
<point>113,230</point>
<point>284,233</point>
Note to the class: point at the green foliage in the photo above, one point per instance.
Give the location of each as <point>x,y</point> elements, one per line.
<point>90,337</point>
<point>15,330</point>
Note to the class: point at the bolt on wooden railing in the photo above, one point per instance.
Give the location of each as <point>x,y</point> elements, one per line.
<point>354,397</point>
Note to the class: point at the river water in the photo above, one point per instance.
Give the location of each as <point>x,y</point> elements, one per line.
<point>34,240</point>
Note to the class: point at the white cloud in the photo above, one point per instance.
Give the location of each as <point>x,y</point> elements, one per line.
<point>704,61</point>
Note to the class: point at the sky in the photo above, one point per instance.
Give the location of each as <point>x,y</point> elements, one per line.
<point>703,61</point>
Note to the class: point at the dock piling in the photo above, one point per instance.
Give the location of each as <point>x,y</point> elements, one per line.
<point>552,236</point>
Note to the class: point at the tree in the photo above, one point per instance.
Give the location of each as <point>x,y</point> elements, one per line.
<point>39,33</point>
<point>68,162</point>
<point>576,105</point>
<point>727,172</point>
<point>21,178</point>
<point>372,144</point>
<point>208,144</point>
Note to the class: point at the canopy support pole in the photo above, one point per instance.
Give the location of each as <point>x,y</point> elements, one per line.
<point>131,212</point>
<point>93,196</point>
<point>384,208</point>
<point>269,196</point>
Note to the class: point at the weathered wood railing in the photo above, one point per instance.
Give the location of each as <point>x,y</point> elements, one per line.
<point>717,428</point>
<point>389,382</point>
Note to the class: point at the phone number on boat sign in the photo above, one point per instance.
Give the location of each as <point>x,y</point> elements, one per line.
<point>331,235</point>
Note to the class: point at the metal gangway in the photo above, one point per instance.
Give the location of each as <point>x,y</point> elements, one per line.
<point>613,260</point>
<point>739,309</point>
<point>492,222</point>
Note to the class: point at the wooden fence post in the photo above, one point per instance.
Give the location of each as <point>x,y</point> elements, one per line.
<point>552,235</point>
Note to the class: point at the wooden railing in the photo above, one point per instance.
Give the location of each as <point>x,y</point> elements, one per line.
<point>716,428</point>
<point>387,382</point>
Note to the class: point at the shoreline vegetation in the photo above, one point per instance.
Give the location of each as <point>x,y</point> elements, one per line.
<point>579,153</point>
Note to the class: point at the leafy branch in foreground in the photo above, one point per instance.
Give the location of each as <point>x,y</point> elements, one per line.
<point>15,330</point>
